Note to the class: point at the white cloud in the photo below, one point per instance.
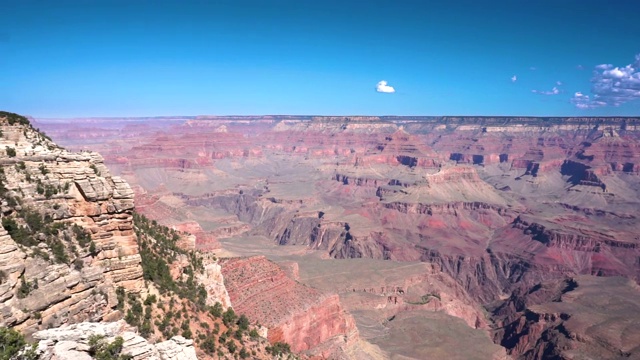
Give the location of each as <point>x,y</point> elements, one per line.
<point>559,83</point>
<point>533,68</point>
<point>514,78</point>
<point>619,73</point>
<point>582,101</point>
<point>382,87</point>
<point>611,86</point>
<point>554,91</point>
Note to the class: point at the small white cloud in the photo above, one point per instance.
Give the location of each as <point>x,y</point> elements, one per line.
<point>580,67</point>
<point>514,78</point>
<point>382,87</point>
<point>604,66</point>
<point>559,83</point>
<point>582,101</point>
<point>533,68</point>
<point>554,91</point>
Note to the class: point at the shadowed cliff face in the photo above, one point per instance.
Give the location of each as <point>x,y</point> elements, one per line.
<point>495,204</point>
<point>570,318</point>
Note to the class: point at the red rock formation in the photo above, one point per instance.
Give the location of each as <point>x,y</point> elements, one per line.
<point>296,314</point>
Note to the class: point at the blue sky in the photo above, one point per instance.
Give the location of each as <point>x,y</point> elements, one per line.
<point>143,58</point>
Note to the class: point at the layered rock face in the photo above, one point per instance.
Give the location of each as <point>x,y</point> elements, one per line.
<point>74,342</point>
<point>53,272</point>
<point>293,313</point>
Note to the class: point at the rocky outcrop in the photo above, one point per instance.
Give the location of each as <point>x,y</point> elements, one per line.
<point>73,342</point>
<point>213,281</point>
<point>449,208</point>
<point>73,241</point>
<point>293,313</point>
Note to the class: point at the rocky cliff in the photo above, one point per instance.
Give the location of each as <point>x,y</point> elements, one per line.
<point>67,239</point>
<point>301,316</point>
<point>87,340</point>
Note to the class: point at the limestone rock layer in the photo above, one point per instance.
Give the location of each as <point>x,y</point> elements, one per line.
<point>49,277</point>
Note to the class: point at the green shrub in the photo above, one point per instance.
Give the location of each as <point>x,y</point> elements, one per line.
<point>209,345</point>
<point>231,346</point>
<point>59,251</point>
<point>120,295</point>
<point>25,287</point>
<point>279,348</point>
<point>100,349</point>
<point>18,233</point>
<point>151,299</point>
<point>216,310</point>
<point>146,329</point>
<point>229,317</point>
<point>11,152</point>
<point>11,342</point>
<point>243,322</point>
<point>92,249</point>
<point>81,236</point>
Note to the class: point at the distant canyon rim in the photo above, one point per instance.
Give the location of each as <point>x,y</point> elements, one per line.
<point>410,237</point>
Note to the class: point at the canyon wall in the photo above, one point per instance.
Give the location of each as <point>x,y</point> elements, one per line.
<point>48,190</point>
<point>298,315</point>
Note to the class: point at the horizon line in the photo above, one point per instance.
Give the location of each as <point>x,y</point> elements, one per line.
<point>327,116</point>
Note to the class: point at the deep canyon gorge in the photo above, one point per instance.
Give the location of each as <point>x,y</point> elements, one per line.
<point>345,237</point>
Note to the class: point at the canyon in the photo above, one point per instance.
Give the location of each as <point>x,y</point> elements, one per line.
<point>376,237</point>
<point>83,275</point>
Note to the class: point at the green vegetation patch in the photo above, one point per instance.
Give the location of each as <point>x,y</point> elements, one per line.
<point>14,346</point>
<point>425,299</point>
<point>15,118</point>
<point>29,228</point>
<point>101,349</point>
<point>158,249</point>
